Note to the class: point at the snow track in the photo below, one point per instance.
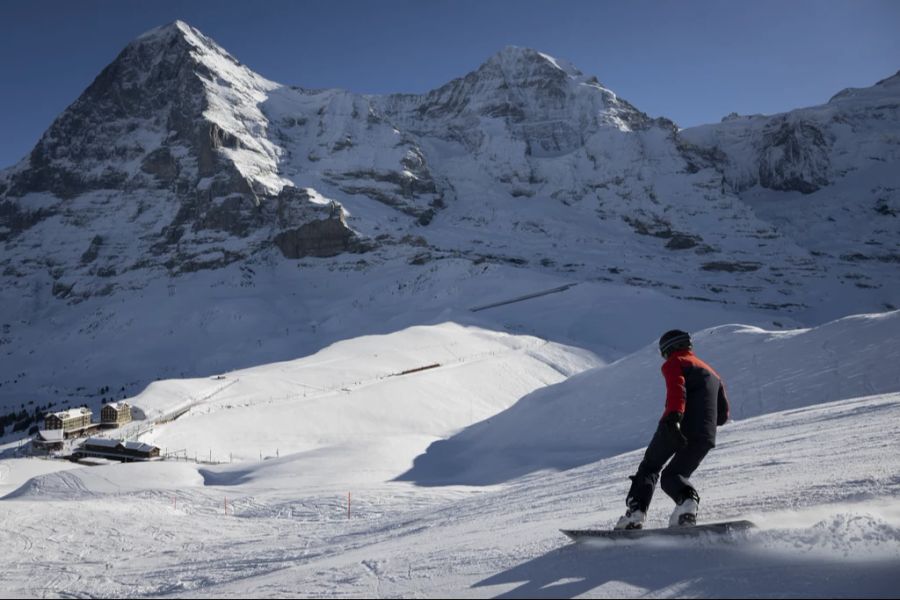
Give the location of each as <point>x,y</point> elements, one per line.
<point>839,534</point>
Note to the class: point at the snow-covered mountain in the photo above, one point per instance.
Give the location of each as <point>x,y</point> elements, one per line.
<point>164,161</point>
<point>807,149</point>
<point>826,175</point>
<point>225,220</point>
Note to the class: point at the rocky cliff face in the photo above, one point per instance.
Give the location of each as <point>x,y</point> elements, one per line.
<point>808,149</point>
<point>171,127</point>
<point>546,102</point>
<point>827,176</point>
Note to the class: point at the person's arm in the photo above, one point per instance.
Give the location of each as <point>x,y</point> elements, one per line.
<point>723,408</point>
<point>676,393</point>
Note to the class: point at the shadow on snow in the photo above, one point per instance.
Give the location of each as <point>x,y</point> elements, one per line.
<point>694,569</point>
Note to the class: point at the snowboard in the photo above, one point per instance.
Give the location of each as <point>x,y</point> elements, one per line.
<point>579,535</point>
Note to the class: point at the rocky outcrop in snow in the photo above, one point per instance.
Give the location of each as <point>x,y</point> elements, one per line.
<point>807,149</point>
<point>174,121</point>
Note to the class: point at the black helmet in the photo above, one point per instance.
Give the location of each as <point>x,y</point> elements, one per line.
<point>674,340</point>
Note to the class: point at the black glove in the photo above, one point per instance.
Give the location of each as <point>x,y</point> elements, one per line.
<point>671,424</point>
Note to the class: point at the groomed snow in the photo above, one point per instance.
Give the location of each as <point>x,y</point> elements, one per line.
<point>816,470</point>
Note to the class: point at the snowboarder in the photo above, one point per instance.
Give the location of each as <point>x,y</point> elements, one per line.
<point>696,405</point>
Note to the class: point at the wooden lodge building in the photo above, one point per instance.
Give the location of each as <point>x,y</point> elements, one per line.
<point>115,414</point>
<point>116,450</point>
<point>49,440</point>
<point>74,422</point>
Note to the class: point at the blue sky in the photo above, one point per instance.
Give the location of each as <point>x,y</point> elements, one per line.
<point>693,62</point>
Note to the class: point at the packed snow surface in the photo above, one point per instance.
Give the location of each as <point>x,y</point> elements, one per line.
<point>320,498</point>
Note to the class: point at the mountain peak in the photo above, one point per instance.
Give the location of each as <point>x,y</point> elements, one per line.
<point>173,28</point>
<point>513,59</point>
<point>171,91</point>
<point>888,85</point>
<point>175,38</point>
<point>523,85</point>
<point>890,81</point>
<point>176,30</point>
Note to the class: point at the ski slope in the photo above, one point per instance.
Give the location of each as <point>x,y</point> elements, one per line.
<point>357,402</point>
<point>811,457</point>
<point>608,411</point>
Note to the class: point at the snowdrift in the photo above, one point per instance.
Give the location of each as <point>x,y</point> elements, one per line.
<point>113,479</point>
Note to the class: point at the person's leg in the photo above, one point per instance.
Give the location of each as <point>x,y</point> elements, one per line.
<point>644,481</point>
<point>676,476</point>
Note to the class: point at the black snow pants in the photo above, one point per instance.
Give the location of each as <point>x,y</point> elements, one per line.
<point>675,476</point>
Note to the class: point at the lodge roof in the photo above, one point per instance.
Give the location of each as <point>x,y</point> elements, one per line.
<point>117,405</point>
<point>72,413</point>
<point>51,435</point>
<point>108,443</point>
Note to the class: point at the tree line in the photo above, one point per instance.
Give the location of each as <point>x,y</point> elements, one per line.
<point>23,419</point>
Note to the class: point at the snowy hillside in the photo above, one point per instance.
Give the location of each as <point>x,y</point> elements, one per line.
<point>609,411</point>
<point>382,392</point>
<point>816,470</point>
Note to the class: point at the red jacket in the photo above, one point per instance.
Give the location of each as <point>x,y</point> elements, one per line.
<point>694,389</point>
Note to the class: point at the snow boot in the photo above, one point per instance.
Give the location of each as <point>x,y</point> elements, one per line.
<point>685,513</point>
<point>634,517</point>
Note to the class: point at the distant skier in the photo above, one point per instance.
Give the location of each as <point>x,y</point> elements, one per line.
<point>695,405</point>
